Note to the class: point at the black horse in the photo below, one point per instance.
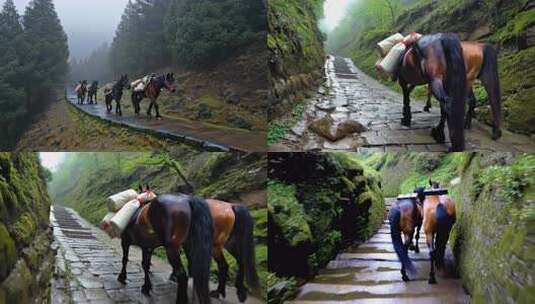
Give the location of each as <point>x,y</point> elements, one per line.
<point>92,93</point>
<point>173,221</point>
<point>152,91</point>
<point>115,92</point>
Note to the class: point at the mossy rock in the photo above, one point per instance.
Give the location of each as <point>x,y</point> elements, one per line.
<point>8,252</point>
<point>288,214</point>
<point>19,284</point>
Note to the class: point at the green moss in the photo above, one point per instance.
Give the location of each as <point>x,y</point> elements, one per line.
<point>24,229</point>
<point>288,214</point>
<point>8,253</point>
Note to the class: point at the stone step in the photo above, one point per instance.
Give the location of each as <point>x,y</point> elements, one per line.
<point>445,299</point>
<point>377,277</point>
<point>422,256</point>
<point>446,288</point>
<point>385,247</point>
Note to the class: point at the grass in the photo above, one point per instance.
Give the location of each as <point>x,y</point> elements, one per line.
<point>278,129</point>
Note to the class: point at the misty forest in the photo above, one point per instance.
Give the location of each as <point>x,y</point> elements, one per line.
<point>350,30</point>
<point>201,42</point>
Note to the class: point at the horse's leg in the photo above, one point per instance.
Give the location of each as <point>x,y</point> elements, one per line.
<point>492,86</point>
<point>125,244</point>
<point>407,116</point>
<point>147,286</point>
<point>222,269</point>
<point>149,110</point>
<point>406,245</point>
<point>157,108</point>
<point>437,88</point>
<point>430,244</point>
<point>173,256</point>
<point>429,96</point>
<point>471,107</point>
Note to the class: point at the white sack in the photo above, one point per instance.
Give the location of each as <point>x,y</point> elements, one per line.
<point>117,201</point>
<point>122,218</point>
<point>386,45</point>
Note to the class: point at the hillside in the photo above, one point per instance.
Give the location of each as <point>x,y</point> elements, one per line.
<point>509,25</point>
<point>296,53</point>
<point>493,236</point>
<point>26,260</point>
<point>85,180</point>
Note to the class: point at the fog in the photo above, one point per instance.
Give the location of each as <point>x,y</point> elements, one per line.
<point>334,11</point>
<point>88,23</point>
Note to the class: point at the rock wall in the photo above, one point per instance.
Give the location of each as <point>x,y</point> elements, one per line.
<point>317,203</point>
<point>26,260</point>
<point>296,51</point>
<point>494,237</point>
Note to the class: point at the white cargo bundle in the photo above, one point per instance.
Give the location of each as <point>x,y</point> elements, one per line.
<point>117,201</point>
<point>391,61</point>
<point>386,45</point>
<point>119,222</point>
<point>105,224</point>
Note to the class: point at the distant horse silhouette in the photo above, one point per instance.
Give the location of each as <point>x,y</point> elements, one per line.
<point>81,91</point>
<point>438,219</point>
<point>92,93</point>
<point>437,60</point>
<point>405,216</point>
<point>115,92</point>
<point>152,91</point>
<point>233,230</point>
<point>173,221</point>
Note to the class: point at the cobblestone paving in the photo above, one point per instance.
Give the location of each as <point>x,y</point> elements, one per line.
<point>370,273</point>
<point>350,94</point>
<point>88,263</point>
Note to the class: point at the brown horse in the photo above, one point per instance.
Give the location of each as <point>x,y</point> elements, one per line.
<point>173,221</point>
<point>152,91</point>
<point>81,91</point>
<point>480,63</point>
<point>405,217</point>
<point>233,230</point>
<point>438,219</point>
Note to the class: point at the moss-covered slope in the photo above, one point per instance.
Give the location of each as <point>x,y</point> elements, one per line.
<point>296,51</point>
<point>508,24</point>
<point>26,261</point>
<point>317,204</point>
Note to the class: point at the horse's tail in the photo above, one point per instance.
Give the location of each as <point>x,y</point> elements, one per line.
<point>200,241</point>
<point>244,233</point>
<point>490,79</point>
<point>456,88</point>
<point>394,217</point>
<point>444,224</point>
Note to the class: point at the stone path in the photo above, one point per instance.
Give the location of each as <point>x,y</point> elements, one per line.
<point>350,94</point>
<point>370,273</point>
<point>201,135</point>
<point>88,263</point>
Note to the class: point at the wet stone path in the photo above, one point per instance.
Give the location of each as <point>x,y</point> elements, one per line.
<point>88,263</point>
<point>370,273</point>
<point>206,137</point>
<point>350,95</point>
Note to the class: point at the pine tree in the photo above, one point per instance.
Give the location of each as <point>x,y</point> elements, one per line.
<point>49,52</point>
<point>12,95</point>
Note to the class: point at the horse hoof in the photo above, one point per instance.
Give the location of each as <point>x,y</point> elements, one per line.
<point>406,122</point>
<point>405,278</point>
<point>438,136</point>
<point>417,250</point>
<point>496,134</point>
<point>426,109</point>
<point>432,281</point>
<point>146,290</point>
<point>242,295</point>
<point>122,278</point>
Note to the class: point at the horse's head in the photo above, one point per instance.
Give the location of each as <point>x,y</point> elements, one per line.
<point>420,194</point>
<point>124,81</point>
<point>434,184</point>
<point>146,195</point>
<point>169,82</point>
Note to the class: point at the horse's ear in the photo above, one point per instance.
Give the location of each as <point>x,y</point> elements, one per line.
<point>430,182</point>
<point>140,188</point>
<point>147,187</point>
